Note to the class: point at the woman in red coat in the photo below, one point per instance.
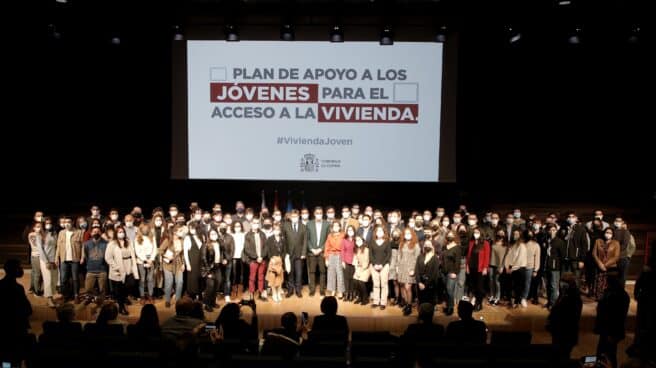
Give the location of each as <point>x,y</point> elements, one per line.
<point>478,260</point>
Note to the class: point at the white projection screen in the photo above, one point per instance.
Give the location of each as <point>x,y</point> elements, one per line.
<point>312,110</point>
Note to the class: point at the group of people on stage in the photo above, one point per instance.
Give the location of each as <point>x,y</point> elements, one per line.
<point>358,256</point>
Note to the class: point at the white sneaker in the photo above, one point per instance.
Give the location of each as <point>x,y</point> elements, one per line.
<point>465,298</point>
<point>227,298</point>
<point>524,305</point>
<point>473,300</point>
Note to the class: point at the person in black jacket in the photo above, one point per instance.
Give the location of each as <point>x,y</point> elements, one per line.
<point>554,255</point>
<point>467,330</point>
<point>564,318</point>
<point>256,257</point>
<point>210,259</point>
<point>329,326</point>
<point>295,235</point>
<point>427,273</point>
<point>612,309</point>
<point>577,246</point>
<point>227,243</point>
<point>452,254</point>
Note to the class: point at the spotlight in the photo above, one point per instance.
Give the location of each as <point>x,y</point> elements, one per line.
<point>574,38</point>
<point>53,33</point>
<point>387,37</point>
<point>115,40</point>
<point>177,33</point>
<point>231,32</point>
<point>337,34</point>
<point>564,2</point>
<point>62,1</point>
<point>634,36</point>
<point>441,35</point>
<point>513,35</point>
<point>287,32</point>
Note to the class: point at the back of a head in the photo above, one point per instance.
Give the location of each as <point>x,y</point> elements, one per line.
<point>13,269</point>
<point>108,312</point>
<point>329,306</point>
<point>184,306</point>
<point>465,310</point>
<point>426,312</point>
<point>229,315</point>
<point>148,317</point>
<point>66,313</point>
<point>289,321</point>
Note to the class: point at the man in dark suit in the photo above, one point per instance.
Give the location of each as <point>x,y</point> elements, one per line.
<point>577,247</point>
<point>317,232</point>
<point>365,230</point>
<point>256,257</point>
<point>295,235</point>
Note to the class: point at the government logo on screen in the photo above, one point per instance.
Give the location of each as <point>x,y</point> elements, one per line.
<point>309,163</point>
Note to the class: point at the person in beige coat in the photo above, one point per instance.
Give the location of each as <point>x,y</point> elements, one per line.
<point>67,257</point>
<point>122,261</point>
<point>362,270</point>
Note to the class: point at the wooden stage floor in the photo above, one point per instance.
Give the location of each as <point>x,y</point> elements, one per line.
<point>364,318</point>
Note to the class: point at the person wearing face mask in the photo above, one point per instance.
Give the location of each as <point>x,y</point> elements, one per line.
<point>69,251</point>
<point>305,216</point>
<point>419,228</point>
<point>123,270</point>
<point>365,230</point>
<point>606,254</point>
<point>114,217</point>
<point>554,254</point>
<point>347,220</point>
<point>36,278</point>
<point>393,274</point>
<point>532,267</point>
<point>478,262</point>
<point>275,273</point>
<point>362,271</point>
<point>227,243</point>
<point>623,237</point>
<point>510,226</point>
<point>46,242</point>
<point>130,228</point>
<point>267,227</point>
<point>348,248</point>
<point>173,263</point>
<point>407,261</point>
<point>173,213</point>
<point>239,266</point>
<point>317,232</point>
<point>598,215</point>
<point>576,248</point>
<point>492,227</point>
<point>247,219</point>
<point>516,262</point>
<point>191,250</point>
<point>296,237</point>
<point>518,220</point>
<point>277,216</point>
<point>38,217</point>
<point>146,252</point>
<point>332,257</point>
<point>210,259</point>
<point>93,255</point>
<point>256,257</point>
<point>380,254</point>
<point>497,255</point>
<point>239,210</point>
<point>217,218</point>
<point>427,272</point>
<point>160,236</point>
<point>95,214</point>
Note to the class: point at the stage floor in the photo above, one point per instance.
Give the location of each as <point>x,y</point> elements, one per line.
<point>364,318</point>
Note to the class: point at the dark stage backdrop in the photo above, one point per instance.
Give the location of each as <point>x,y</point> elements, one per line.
<point>543,122</point>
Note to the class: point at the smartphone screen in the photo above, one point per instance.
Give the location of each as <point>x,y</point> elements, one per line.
<point>304,317</point>
<point>209,327</point>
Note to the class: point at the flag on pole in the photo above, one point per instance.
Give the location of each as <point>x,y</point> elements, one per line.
<point>275,200</point>
<point>289,201</point>
<point>263,205</point>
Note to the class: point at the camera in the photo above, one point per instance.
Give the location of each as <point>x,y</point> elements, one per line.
<point>304,317</point>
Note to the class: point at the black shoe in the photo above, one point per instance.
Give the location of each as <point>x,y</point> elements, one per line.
<point>382,307</point>
<point>323,293</point>
<point>478,307</point>
<point>298,294</point>
<point>289,294</point>
<point>374,305</point>
<point>535,302</point>
<point>364,302</point>
<point>167,304</point>
<point>312,294</point>
<point>449,311</point>
<point>407,310</point>
<point>209,308</point>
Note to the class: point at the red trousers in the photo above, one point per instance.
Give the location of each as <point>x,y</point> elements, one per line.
<point>256,270</point>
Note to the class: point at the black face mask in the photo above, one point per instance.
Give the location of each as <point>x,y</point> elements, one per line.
<point>96,236</point>
<point>223,230</point>
<point>267,226</point>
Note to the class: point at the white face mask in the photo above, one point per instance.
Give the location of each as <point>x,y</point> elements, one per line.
<point>255,227</point>
<point>536,227</point>
<point>407,237</point>
<point>305,216</point>
<point>600,217</point>
<point>198,217</point>
<point>113,217</point>
<point>477,235</point>
<point>608,236</point>
<point>277,218</point>
<point>380,234</point>
<point>457,220</point>
<point>294,220</point>
<point>228,221</point>
<point>249,217</point>
<point>318,217</point>
<point>351,233</point>
<point>346,215</point>
<point>48,226</point>
<point>426,219</point>
<point>214,236</point>
<point>129,224</point>
<point>192,231</point>
<point>120,235</point>
<point>510,221</point>
<point>445,223</point>
<point>365,223</point>
<point>471,222</point>
<point>517,214</point>
<point>217,218</point>
<point>330,216</point>
<point>494,222</point>
<point>158,223</point>
<point>618,224</point>
<point>173,213</point>
<point>439,214</point>
<point>38,219</point>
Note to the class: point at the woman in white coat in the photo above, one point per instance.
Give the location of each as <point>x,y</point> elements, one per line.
<point>123,269</point>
